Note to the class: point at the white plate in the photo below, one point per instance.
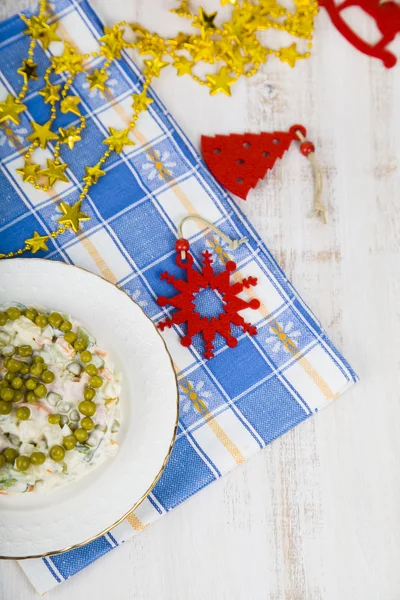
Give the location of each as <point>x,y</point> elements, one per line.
<point>33,525</point>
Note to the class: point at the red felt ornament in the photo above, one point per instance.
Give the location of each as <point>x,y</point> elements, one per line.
<point>386,15</point>
<point>239,161</point>
<point>196,281</point>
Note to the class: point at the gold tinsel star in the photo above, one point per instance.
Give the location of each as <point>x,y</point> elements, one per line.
<point>225,2</point>
<point>236,60</point>
<point>54,172</point>
<point>204,22</point>
<point>221,82</point>
<point>154,66</point>
<point>93,174</point>
<point>70,104</point>
<point>141,101</point>
<point>72,215</point>
<point>10,109</point>
<point>39,29</point>
<point>28,70</point>
<point>118,139</point>
<point>201,50</point>
<point>98,79</point>
<point>29,172</point>
<point>179,41</point>
<point>37,242</point>
<point>112,42</point>
<point>69,136</point>
<point>183,66</point>
<point>290,55</point>
<point>50,93</point>
<point>42,134</point>
<point>69,60</point>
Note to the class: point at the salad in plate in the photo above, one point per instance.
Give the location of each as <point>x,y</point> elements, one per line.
<point>59,401</point>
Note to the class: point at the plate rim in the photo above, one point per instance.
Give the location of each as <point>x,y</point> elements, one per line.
<point>166,459</point>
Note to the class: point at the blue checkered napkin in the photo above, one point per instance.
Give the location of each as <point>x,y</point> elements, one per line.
<point>232,405</point>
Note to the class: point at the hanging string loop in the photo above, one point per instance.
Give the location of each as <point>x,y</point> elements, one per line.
<point>182,245</point>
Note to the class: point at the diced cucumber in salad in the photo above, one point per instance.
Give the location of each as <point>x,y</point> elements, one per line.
<point>59,401</point>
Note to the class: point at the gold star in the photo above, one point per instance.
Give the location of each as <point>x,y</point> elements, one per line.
<point>290,55</point>
<point>141,101</point>
<point>183,66</point>
<point>237,61</point>
<point>72,215</point>
<point>182,10</point>
<point>28,70</point>
<point>70,104</point>
<point>69,136</point>
<point>201,50</point>
<point>113,42</point>
<point>225,2</point>
<point>178,41</point>
<point>204,22</point>
<point>93,174</point>
<point>221,82</point>
<point>42,134</point>
<point>69,60</point>
<point>50,93</point>
<point>10,109</point>
<point>30,172</point>
<point>54,172</point>
<point>39,29</point>
<point>154,66</point>
<point>118,139</point>
<point>37,242</point>
<point>97,80</point>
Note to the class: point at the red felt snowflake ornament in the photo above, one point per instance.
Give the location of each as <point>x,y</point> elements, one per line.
<point>196,281</point>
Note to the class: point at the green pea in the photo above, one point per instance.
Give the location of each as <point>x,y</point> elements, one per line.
<point>70,337</point>
<point>31,397</point>
<point>36,370</point>
<point>24,370</point>
<point>91,370</point>
<point>5,407</point>
<point>14,365</point>
<point>17,383</point>
<point>25,350</point>
<point>2,461</point>
<point>96,381</point>
<point>47,376</point>
<point>41,321</point>
<point>57,453</point>
<point>40,390</point>
<point>3,319</point>
<point>38,458</point>
<point>87,408</point>
<point>38,359</point>
<point>7,394</point>
<point>18,395</point>
<point>22,463</point>
<point>89,393</point>
<point>86,356</point>
<point>80,345</point>
<point>13,313</point>
<point>81,435</point>
<point>55,319</point>
<point>54,419</point>
<point>5,362</point>
<point>87,423</point>
<point>23,413</point>
<point>9,376</point>
<point>66,326</point>
<point>10,454</point>
<point>31,314</point>
<point>31,384</point>
<point>3,384</point>
<point>69,442</point>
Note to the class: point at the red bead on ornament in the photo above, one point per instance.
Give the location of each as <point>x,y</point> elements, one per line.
<point>182,245</point>
<point>306,148</point>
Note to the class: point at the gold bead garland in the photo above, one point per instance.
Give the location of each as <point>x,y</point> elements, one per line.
<point>232,48</point>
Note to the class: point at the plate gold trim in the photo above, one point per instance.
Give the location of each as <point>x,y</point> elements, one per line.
<point>153,484</point>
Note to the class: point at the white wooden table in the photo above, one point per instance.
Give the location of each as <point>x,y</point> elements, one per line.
<point>316,515</point>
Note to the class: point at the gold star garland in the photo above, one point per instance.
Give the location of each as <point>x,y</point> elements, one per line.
<point>232,48</point>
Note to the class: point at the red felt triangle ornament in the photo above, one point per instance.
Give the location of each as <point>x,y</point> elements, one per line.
<point>239,161</point>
